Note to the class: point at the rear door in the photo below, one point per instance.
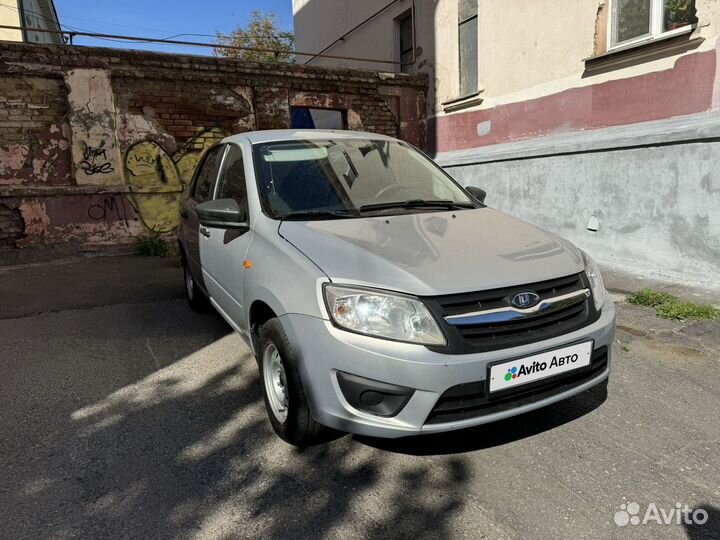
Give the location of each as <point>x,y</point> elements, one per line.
<point>201,190</point>
<point>223,250</point>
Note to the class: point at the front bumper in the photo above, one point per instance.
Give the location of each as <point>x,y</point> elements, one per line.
<point>325,350</point>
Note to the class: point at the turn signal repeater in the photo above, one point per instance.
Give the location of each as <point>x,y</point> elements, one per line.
<point>247,264</point>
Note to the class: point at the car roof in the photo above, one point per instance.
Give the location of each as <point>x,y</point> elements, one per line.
<point>271,135</point>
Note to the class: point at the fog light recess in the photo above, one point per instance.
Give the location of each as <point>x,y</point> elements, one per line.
<point>374,397</point>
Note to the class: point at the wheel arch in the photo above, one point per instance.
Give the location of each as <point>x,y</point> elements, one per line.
<point>259,313</point>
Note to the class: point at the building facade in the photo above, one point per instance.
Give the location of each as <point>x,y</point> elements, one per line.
<point>28,15</point>
<point>596,119</point>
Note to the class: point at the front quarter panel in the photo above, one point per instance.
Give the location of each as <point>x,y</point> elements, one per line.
<point>280,275</point>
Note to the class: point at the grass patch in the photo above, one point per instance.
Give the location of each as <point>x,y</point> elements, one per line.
<point>151,244</point>
<point>668,306</point>
<point>650,298</point>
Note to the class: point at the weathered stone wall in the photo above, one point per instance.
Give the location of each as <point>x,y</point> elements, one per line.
<point>97,145</point>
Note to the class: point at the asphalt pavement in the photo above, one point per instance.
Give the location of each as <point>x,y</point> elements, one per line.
<point>123,414</point>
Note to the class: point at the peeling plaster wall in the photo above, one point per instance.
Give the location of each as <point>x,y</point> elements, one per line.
<point>92,119</point>
<point>34,132</point>
<point>98,145</point>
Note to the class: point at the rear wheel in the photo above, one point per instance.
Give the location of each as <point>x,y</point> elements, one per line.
<point>283,390</point>
<point>195,296</point>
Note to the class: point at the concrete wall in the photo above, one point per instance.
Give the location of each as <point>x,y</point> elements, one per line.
<point>97,145</point>
<point>654,189</point>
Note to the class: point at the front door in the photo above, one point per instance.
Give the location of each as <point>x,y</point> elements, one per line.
<point>201,190</point>
<point>223,251</point>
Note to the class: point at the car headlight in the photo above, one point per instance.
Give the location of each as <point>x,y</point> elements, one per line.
<point>596,283</point>
<point>384,315</point>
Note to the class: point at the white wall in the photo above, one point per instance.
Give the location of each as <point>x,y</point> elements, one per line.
<point>527,48</point>
<point>9,16</point>
<point>320,22</point>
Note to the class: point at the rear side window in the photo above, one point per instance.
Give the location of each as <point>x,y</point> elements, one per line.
<point>207,174</point>
<point>231,184</point>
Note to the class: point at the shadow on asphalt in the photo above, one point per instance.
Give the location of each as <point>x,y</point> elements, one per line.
<point>496,433</point>
<point>187,452</point>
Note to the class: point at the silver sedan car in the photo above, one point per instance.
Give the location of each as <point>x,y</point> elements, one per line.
<point>379,296</point>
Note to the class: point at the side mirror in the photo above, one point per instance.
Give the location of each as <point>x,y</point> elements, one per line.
<point>223,214</point>
<point>477,192</point>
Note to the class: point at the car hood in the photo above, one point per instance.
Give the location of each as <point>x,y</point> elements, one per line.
<point>432,253</point>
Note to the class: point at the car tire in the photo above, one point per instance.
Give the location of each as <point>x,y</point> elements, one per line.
<point>195,296</point>
<point>283,391</point>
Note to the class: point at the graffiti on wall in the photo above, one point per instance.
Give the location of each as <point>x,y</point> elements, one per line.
<point>109,209</point>
<point>94,146</point>
<point>95,160</point>
<point>149,165</point>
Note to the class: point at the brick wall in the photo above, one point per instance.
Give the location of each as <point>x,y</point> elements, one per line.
<point>33,147</point>
<point>96,145</point>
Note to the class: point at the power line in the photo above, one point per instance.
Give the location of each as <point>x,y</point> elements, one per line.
<point>114,37</point>
<point>281,35</point>
<point>41,16</point>
<point>361,23</point>
<point>111,23</point>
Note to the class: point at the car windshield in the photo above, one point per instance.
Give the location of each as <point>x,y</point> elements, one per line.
<point>341,178</point>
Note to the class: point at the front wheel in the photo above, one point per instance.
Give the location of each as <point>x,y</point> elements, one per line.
<point>283,390</point>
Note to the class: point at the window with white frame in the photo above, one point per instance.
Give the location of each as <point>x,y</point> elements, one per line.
<point>636,21</point>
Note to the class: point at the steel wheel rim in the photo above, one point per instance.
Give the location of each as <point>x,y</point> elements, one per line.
<point>275,383</point>
<point>189,284</point>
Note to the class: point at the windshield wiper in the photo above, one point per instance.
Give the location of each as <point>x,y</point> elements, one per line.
<point>321,214</point>
<point>418,203</point>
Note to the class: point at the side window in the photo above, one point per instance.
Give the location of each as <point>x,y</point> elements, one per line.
<point>207,174</point>
<point>232,179</point>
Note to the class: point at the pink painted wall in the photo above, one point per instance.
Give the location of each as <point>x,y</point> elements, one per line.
<point>687,88</point>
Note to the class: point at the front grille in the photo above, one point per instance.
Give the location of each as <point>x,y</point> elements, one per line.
<point>471,400</point>
<point>470,338</point>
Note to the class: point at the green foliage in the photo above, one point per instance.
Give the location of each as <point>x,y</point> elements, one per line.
<point>684,311</point>
<point>668,306</point>
<point>679,5</point>
<point>679,13</point>
<point>650,298</point>
<point>261,33</point>
<point>151,244</point>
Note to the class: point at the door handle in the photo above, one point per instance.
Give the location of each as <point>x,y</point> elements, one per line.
<point>205,232</point>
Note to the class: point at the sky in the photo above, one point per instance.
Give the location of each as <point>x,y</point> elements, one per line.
<point>164,18</point>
